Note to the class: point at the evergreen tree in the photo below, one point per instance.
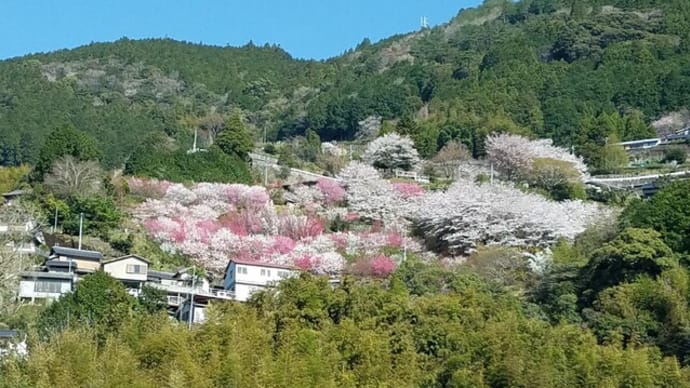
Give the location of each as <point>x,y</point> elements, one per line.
<point>234,139</point>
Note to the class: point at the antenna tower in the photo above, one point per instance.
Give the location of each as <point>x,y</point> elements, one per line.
<point>424,21</point>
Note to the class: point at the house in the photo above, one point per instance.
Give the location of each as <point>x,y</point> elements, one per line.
<point>10,344</point>
<point>21,235</point>
<point>14,196</point>
<point>83,261</point>
<point>244,277</point>
<point>132,270</point>
<point>45,285</point>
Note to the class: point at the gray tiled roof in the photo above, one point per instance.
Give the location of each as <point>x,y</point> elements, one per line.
<point>160,275</point>
<point>47,275</point>
<point>127,257</point>
<point>8,333</point>
<point>71,252</point>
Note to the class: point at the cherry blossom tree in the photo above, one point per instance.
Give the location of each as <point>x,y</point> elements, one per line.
<point>371,196</point>
<point>408,190</point>
<point>331,191</point>
<point>514,155</point>
<point>392,151</point>
<point>468,214</point>
<point>212,223</point>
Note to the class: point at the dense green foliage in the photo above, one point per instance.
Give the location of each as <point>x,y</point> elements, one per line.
<point>61,142</point>
<point>310,334</point>
<point>234,139</point>
<point>213,165</point>
<point>577,71</point>
<point>667,212</point>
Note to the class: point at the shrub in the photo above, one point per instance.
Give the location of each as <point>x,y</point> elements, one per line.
<point>675,154</point>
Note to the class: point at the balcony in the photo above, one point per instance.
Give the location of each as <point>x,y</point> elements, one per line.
<point>177,289</point>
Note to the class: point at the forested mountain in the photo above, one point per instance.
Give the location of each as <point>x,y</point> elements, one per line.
<point>577,71</point>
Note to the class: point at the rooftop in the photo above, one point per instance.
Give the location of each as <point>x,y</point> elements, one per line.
<point>640,141</point>
<point>47,275</point>
<point>15,193</point>
<point>126,257</point>
<point>80,253</point>
<point>160,274</point>
<point>8,333</point>
<point>260,264</point>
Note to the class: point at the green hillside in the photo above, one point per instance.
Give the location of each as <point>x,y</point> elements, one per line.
<point>552,68</point>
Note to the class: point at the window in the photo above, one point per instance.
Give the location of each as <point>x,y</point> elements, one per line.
<point>50,286</point>
<point>241,270</point>
<point>263,272</point>
<point>266,272</point>
<point>283,274</point>
<point>135,268</point>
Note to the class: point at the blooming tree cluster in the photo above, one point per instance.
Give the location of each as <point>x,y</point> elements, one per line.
<point>373,197</point>
<point>392,151</point>
<point>213,223</point>
<point>468,214</point>
<point>513,155</point>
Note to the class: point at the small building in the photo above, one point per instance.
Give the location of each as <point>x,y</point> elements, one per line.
<point>12,344</point>
<point>198,314</point>
<point>13,196</point>
<point>640,144</point>
<point>244,277</point>
<point>45,285</point>
<point>83,261</point>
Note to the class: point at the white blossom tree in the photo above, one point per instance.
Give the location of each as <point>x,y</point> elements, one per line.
<point>468,214</point>
<point>369,195</point>
<point>392,151</point>
<point>513,156</point>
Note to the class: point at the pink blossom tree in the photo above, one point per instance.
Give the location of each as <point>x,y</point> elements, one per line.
<point>331,190</point>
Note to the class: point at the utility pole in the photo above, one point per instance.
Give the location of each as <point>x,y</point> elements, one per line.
<point>404,246</point>
<point>266,175</point>
<point>492,173</point>
<point>191,301</point>
<point>81,225</point>
<point>55,222</point>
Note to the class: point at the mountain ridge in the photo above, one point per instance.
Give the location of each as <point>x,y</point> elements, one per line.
<point>539,67</point>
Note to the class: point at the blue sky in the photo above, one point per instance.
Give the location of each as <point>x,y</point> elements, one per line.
<point>305,28</point>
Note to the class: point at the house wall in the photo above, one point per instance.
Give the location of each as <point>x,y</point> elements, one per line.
<point>118,269</point>
<point>256,278</point>
<point>258,275</point>
<point>244,291</point>
<point>83,264</point>
<point>27,287</point>
<point>199,314</point>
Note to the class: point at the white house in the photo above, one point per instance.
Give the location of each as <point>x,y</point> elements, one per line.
<point>45,285</point>
<point>244,277</point>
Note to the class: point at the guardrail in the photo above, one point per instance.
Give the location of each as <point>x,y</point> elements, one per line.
<point>411,175</point>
